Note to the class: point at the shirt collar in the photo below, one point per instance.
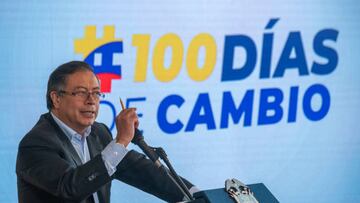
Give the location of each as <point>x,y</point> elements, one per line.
<point>69,132</point>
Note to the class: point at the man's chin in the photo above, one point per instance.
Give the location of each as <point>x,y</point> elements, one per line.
<point>88,122</point>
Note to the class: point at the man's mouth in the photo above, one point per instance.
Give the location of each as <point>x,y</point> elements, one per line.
<point>88,113</point>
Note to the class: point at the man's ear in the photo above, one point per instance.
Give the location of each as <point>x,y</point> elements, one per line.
<point>55,98</point>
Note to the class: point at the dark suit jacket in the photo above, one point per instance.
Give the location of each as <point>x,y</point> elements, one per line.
<point>49,170</point>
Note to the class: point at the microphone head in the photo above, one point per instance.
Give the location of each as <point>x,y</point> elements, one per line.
<point>137,137</point>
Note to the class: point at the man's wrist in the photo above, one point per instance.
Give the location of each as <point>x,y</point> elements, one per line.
<point>123,142</point>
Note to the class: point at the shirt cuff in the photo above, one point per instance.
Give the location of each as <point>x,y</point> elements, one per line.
<point>112,155</point>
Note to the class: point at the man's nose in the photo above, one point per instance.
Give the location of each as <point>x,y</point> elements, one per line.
<point>91,99</point>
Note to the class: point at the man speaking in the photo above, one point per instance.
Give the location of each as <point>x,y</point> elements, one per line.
<point>68,157</point>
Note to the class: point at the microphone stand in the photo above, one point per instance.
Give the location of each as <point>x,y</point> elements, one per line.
<point>162,154</point>
<point>184,192</point>
<point>154,154</point>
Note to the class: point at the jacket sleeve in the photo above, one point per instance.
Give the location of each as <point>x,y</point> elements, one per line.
<point>44,164</point>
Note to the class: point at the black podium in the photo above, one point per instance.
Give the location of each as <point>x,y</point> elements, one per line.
<point>261,193</point>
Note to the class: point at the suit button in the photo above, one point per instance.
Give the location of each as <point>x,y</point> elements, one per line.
<point>91,177</point>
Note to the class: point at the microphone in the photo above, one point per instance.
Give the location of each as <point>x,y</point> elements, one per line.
<point>138,139</point>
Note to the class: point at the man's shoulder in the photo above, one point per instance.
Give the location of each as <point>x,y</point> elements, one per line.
<point>42,133</point>
<point>47,132</point>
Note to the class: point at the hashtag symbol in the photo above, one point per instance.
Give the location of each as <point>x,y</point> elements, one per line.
<point>86,45</point>
<point>106,71</point>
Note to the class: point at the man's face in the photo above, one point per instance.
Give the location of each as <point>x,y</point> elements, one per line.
<point>72,107</point>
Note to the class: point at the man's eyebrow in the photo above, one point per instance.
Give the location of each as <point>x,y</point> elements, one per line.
<point>81,87</point>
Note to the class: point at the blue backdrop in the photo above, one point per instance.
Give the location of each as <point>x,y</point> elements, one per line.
<point>263,91</point>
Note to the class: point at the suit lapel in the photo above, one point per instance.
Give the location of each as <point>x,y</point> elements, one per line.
<point>93,145</point>
<point>65,141</point>
<point>74,155</point>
